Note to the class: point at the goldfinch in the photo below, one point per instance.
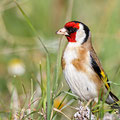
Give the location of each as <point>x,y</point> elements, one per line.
<point>81,66</point>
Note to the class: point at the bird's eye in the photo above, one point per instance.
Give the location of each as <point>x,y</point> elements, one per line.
<point>71,30</point>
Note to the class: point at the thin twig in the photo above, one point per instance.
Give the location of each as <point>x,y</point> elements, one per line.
<point>57,110</point>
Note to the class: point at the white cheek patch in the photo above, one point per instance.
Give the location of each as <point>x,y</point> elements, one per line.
<point>80,35</point>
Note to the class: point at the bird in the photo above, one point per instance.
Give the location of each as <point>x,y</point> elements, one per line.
<point>82,68</point>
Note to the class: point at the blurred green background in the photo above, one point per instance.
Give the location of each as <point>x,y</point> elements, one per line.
<point>20,49</point>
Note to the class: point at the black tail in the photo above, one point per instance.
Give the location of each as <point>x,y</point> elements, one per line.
<point>112,100</point>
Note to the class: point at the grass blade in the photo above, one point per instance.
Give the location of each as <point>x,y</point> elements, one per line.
<point>57,110</point>
<point>48,89</point>
<point>31,26</point>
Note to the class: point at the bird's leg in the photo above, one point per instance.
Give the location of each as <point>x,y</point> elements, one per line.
<point>94,103</point>
<point>88,103</point>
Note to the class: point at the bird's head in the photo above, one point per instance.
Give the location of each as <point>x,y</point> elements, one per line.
<point>75,32</point>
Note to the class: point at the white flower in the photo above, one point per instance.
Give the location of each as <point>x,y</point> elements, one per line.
<point>83,113</point>
<point>16,67</point>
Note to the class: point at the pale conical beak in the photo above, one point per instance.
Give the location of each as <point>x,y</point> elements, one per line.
<point>62,31</point>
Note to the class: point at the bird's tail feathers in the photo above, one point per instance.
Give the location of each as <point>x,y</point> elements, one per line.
<point>113,101</point>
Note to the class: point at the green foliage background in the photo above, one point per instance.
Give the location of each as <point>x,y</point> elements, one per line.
<point>17,40</point>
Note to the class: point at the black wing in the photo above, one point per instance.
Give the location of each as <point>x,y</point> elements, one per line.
<point>100,73</point>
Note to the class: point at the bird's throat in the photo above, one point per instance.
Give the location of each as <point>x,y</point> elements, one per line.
<point>71,37</point>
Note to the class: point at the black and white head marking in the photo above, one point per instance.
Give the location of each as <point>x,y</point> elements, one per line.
<point>86,30</point>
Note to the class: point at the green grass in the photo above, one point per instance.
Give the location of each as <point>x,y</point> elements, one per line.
<point>48,90</point>
<point>27,28</point>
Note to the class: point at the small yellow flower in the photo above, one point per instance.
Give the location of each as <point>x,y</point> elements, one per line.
<point>58,101</point>
<point>16,67</point>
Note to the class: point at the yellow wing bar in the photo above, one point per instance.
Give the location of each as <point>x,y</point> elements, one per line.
<point>105,79</point>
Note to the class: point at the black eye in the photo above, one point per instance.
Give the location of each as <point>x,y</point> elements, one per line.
<point>71,30</point>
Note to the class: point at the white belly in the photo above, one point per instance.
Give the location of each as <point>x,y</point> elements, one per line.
<point>79,83</point>
<point>78,80</point>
